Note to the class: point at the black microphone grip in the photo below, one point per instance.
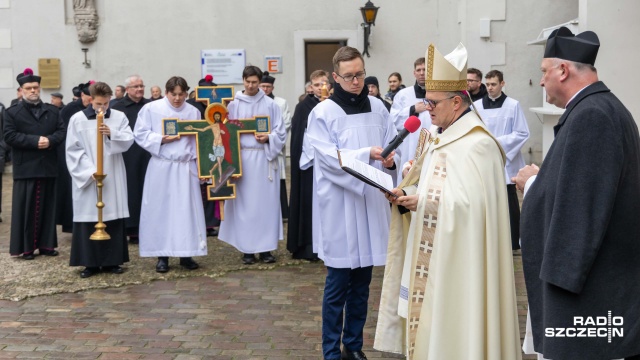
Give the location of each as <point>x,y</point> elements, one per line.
<point>395,143</point>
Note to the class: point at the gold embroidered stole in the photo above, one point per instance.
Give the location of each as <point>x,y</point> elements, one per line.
<point>421,270</point>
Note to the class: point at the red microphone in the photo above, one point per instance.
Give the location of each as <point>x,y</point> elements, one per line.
<point>410,126</point>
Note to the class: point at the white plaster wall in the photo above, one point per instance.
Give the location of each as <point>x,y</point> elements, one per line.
<point>617,26</point>
<point>159,38</point>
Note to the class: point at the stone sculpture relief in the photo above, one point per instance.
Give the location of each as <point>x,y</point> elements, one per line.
<point>86,20</point>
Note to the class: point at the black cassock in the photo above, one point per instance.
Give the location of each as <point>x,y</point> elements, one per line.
<point>580,230</point>
<point>209,206</point>
<point>64,203</point>
<point>34,175</point>
<point>136,160</point>
<point>299,234</point>
<point>96,253</point>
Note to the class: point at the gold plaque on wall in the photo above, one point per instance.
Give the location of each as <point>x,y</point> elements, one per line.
<point>49,70</point>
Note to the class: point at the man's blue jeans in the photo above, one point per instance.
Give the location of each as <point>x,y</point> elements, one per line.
<point>346,294</point>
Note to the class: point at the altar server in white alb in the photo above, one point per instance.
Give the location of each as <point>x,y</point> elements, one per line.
<point>171,219</point>
<point>267,85</point>
<point>407,102</point>
<point>253,221</point>
<point>505,120</point>
<point>350,218</point>
<point>81,158</point>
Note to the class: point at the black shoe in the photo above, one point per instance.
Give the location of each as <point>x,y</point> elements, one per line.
<point>352,355</point>
<point>133,239</point>
<point>28,256</point>
<point>212,232</point>
<point>117,269</point>
<point>188,263</point>
<point>89,272</point>
<point>248,259</point>
<point>48,252</point>
<point>163,264</point>
<point>267,258</point>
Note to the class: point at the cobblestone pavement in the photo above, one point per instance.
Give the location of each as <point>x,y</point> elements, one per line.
<point>245,314</point>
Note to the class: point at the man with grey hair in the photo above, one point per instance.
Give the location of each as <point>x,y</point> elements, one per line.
<point>136,158</point>
<point>579,227</point>
<point>156,93</point>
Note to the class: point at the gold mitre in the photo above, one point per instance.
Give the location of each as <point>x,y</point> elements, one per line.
<point>446,73</point>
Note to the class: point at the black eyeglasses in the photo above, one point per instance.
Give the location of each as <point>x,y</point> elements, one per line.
<point>433,103</point>
<point>349,78</point>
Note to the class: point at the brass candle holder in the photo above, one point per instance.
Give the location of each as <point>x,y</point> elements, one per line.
<point>100,233</point>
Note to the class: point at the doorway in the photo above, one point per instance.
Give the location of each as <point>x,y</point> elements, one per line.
<point>318,55</point>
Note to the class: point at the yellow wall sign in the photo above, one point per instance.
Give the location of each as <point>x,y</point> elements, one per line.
<point>49,70</point>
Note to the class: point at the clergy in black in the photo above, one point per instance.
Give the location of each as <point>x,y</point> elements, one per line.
<point>299,234</point>
<point>33,129</point>
<point>136,159</point>
<point>580,230</point>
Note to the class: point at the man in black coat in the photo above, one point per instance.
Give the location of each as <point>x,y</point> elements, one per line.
<point>299,235</point>
<point>64,202</point>
<point>33,129</point>
<point>3,152</point>
<point>136,159</point>
<point>579,228</point>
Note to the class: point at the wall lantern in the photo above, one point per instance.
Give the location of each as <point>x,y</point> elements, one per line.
<point>369,13</point>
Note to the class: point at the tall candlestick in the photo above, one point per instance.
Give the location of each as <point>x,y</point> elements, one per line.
<point>100,233</point>
<point>99,144</point>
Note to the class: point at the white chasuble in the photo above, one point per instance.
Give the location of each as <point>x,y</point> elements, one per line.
<point>253,220</point>
<point>459,291</point>
<point>172,218</point>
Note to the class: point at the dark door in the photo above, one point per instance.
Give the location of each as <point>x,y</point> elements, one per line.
<point>319,56</point>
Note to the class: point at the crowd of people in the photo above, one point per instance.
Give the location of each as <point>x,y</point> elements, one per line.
<point>446,232</point>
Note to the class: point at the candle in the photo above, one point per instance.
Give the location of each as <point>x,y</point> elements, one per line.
<point>100,144</point>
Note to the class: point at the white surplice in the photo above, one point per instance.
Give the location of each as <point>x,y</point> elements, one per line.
<point>286,120</point>
<point>253,221</point>
<point>350,218</point>
<point>509,126</point>
<point>171,220</point>
<point>399,113</point>
<point>81,158</point>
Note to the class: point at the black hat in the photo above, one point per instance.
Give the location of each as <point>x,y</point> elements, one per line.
<point>58,95</point>
<point>267,79</point>
<point>84,88</point>
<point>207,81</point>
<point>27,77</point>
<point>582,48</point>
<point>371,80</point>
<point>76,91</point>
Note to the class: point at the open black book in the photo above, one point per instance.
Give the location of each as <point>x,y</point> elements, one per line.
<point>367,174</point>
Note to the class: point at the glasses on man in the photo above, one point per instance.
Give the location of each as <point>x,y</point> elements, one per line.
<point>349,78</point>
<point>136,86</point>
<point>433,103</point>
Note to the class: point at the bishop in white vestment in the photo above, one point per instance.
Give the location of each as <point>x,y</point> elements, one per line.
<point>448,290</point>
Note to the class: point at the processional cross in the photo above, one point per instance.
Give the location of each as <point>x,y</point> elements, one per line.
<point>217,140</point>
